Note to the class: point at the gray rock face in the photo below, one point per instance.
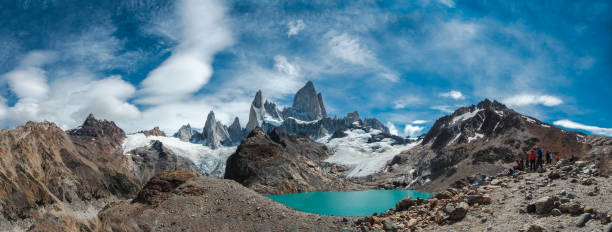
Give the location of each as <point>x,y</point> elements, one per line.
<point>236,132</point>
<point>256,113</point>
<point>307,104</point>
<point>185,133</point>
<point>215,133</point>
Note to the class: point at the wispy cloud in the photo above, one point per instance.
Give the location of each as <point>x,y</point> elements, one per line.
<point>419,122</point>
<point>447,3</point>
<point>593,129</point>
<point>294,27</point>
<point>454,94</point>
<point>189,67</point>
<point>403,102</point>
<point>443,108</point>
<point>530,99</point>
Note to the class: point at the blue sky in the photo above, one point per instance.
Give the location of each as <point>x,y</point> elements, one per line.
<point>146,63</point>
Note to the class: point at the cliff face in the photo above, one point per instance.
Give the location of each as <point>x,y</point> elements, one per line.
<point>41,164</point>
<point>280,163</point>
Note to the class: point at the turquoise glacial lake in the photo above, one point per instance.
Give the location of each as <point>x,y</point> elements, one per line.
<point>357,203</point>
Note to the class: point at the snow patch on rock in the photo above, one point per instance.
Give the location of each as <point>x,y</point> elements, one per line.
<point>465,116</point>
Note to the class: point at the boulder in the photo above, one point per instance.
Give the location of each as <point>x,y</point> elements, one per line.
<point>555,212</point>
<point>554,175</point>
<point>444,195</point>
<point>405,203</point>
<point>573,208</point>
<point>544,205</point>
<point>584,218</point>
<point>478,199</point>
<point>459,211</point>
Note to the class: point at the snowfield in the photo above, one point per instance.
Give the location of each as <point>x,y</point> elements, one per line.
<point>211,162</point>
<point>360,157</point>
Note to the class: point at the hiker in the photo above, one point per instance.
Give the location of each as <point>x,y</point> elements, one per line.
<point>540,158</point>
<point>511,172</point>
<point>549,157</point>
<point>532,159</point>
<point>518,163</point>
<point>558,157</point>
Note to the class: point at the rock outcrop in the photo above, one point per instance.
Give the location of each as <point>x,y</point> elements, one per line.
<point>185,133</point>
<point>281,163</point>
<point>40,164</point>
<point>153,159</point>
<point>215,133</point>
<point>153,132</point>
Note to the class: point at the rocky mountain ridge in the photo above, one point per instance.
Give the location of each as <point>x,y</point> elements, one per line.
<point>306,115</point>
<point>486,137</point>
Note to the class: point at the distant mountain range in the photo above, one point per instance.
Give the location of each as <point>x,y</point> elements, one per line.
<point>306,115</point>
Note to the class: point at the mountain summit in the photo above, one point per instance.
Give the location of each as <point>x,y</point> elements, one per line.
<point>307,104</point>
<point>306,115</point>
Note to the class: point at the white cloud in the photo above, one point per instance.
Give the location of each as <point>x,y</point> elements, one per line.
<point>593,129</point>
<point>282,65</point>
<point>3,108</point>
<point>189,67</point>
<point>447,3</point>
<point>392,129</point>
<point>29,82</point>
<point>405,101</point>
<point>443,108</point>
<point>454,94</point>
<point>412,130</point>
<point>530,99</point>
<point>295,27</point>
<point>419,122</point>
<point>349,49</point>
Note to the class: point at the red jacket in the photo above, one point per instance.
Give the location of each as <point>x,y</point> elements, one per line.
<point>532,155</point>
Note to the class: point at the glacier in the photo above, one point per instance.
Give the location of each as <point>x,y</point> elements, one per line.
<point>211,162</point>
<point>360,157</point>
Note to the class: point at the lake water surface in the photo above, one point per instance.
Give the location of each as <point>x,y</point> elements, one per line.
<point>357,203</point>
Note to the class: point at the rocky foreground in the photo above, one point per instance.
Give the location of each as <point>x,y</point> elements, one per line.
<point>567,197</point>
<point>180,200</point>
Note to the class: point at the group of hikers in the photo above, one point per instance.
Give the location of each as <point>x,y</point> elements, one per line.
<point>536,159</point>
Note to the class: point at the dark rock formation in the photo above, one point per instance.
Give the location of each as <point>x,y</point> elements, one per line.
<point>281,163</point>
<point>160,187</point>
<point>236,132</point>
